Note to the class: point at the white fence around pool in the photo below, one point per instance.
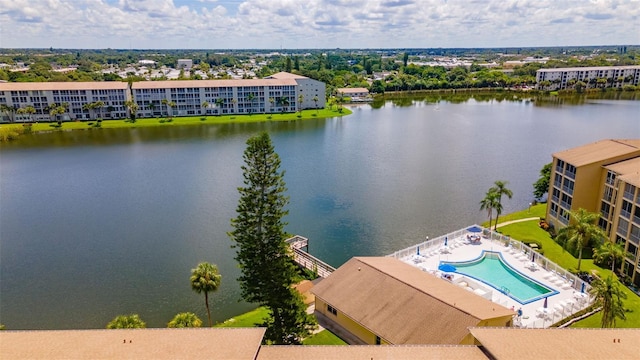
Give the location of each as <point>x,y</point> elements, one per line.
<point>436,243</point>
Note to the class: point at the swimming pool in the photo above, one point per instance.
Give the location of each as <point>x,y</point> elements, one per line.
<point>493,270</point>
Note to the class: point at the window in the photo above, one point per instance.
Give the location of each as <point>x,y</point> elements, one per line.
<point>567,186</point>
<point>570,171</point>
<point>634,237</point>
<point>332,310</point>
<point>628,191</point>
<point>560,166</point>
<point>625,210</point>
<point>611,177</point>
<point>605,209</point>
<point>623,226</point>
<point>378,340</point>
<point>555,195</point>
<point>554,209</point>
<point>602,223</point>
<point>608,193</point>
<point>566,201</point>
<point>557,181</point>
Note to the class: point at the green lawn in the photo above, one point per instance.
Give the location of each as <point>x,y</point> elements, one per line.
<point>256,316</point>
<point>187,120</point>
<point>529,230</point>
<point>324,337</point>
<point>248,319</point>
<point>535,211</point>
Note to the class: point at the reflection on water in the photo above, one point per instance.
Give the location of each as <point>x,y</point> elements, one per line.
<point>105,222</point>
<point>463,96</point>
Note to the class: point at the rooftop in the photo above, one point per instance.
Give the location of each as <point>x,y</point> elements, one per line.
<point>629,170</point>
<point>363,352</point>
<point>210,83</point>
<point>550,344</point>
<point>404,297</point>
<point>187,343</point>
<point>591,68</point>
<point>89,85</point>
<point>599,151</point>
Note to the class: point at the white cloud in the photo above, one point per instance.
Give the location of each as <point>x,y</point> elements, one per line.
<point>316,23</point>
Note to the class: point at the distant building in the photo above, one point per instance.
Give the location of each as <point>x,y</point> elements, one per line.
<point>381,300</point>
<point>184,64</point>
<point>146,62</point>
<point>277,93</point>
<point>42,95</point>
<point>592,77</point>
<point>353,92</point>
<point>602,177</point>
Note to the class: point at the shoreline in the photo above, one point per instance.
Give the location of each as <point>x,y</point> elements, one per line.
<point>12,131</point>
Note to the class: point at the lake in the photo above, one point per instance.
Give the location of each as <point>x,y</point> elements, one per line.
<point>105,222</point>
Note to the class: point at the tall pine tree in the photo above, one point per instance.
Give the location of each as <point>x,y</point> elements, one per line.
<point>268,272</point>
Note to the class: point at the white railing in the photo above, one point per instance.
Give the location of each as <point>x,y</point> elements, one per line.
<point>432,244</point>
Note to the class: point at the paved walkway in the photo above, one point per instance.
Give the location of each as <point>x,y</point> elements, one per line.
<point>517,221</point>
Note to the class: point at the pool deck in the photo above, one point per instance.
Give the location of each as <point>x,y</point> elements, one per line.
<point>568,299</point>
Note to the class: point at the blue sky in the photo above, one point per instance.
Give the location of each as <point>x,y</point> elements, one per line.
<point>274,24</point>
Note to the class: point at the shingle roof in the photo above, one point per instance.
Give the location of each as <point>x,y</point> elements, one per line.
<point>355,352</point>
<point>192,343</point>
<point>568,343</point>
<point>599,151</point>
<point>402,304</point>
<point>89,85</point>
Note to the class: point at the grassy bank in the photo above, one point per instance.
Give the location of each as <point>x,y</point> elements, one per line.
<point>16,129</point>
<point>530,231</point>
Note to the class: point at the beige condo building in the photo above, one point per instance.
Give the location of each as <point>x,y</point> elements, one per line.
<point>602,177</point>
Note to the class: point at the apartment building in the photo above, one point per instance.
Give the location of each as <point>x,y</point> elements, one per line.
<point>45,95</point>
<point>277,93</point>
<point>281,92</point>
<point>593,77</point>
<point>602,177</point>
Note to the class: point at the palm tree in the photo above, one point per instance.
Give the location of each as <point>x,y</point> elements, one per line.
<point>284,102</point>
<point>205,105</point>
<point>581,231</point>
<point>205,278</point>
<point>500,189</point>
<point>315,100</point>
<point>99,105</point>
<point>133,109</point>
<point>609,251</point>
<point>127,322</point>
<point>607,294</point>
<point>489,203</point>
<point>171,105</point>
<point>219,102</point>
<point>89,107</point>
<point>185,320</point>
<point>165,102</point>
<point>271,102</point>
<point>250,98</point>
<point>300,100</point>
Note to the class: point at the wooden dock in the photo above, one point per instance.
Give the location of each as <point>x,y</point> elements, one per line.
<point>300,246</point>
